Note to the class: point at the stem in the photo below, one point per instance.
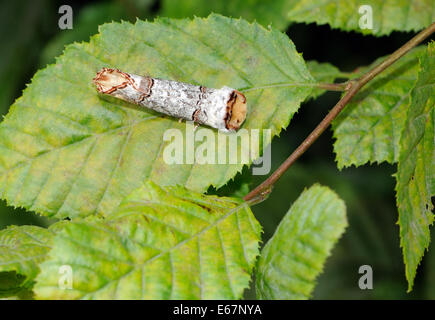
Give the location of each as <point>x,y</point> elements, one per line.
<point>352,87</point>
<point>332,86</point>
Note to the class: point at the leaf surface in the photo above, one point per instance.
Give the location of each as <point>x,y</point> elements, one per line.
<point>11,286</point>
<point>265,12</point>
<point>369,128</point>
<point>294,256</point>
<point>416,169</point>
<point>65,151</point>
<point>387,16</point>
<point>22,248</point>
<point>161,243</point>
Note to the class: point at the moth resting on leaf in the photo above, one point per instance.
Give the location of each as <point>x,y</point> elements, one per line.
<point>224,109</point>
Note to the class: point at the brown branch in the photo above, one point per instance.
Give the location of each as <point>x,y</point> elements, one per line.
<point>352,87</point>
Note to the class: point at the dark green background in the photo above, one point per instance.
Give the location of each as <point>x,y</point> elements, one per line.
<point>31,39</point>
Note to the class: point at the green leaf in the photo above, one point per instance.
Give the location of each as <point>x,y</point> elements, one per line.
<point>265,12</point>
<point>65,151</point>
<point>22,248</point>
<point>294,256</point>
<point>388,16</point>
<point>369,128</point>
<point>11,286</point>
<point>161,243</point>
<point>416,169</point>
<point>323,73</point>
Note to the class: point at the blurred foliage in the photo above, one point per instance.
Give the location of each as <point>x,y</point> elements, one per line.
<point>88,20</point>
<point>265,12</point>
<point>86,24</point>
<point>372,236</point>
<point>24,42</point>
<point>388,16</point>
<point>11,286</point>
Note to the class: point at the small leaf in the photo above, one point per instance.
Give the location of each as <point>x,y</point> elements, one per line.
<point>416,169</point>
<point>22,248</point>
<point>294,256</point>
<point>161,243</point>
<point>387,16</point>
<point>65,151</point>
<point>369,128</point>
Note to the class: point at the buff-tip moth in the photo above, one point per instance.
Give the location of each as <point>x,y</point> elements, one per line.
<point>224,109</point>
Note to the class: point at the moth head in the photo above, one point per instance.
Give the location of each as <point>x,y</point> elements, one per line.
<point>237,109</point>
<point>109,80</point>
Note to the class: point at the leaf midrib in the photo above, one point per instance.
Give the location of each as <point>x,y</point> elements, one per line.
<point>170,250</point>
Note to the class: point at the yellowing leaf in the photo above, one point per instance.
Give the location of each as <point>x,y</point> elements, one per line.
<point>65,151</point>
<point>386,15</point>
<point>161,243</point>
<point>293,258</point>
<point>369,128</point>
<point>22,248</point>
<point>416,169</point>
<point>352,15</point>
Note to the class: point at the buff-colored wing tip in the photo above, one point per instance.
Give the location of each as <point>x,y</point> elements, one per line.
<point>238,110</point>
<point>108,80</point>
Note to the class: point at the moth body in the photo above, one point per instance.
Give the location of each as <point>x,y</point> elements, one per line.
<point>224,108</point>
